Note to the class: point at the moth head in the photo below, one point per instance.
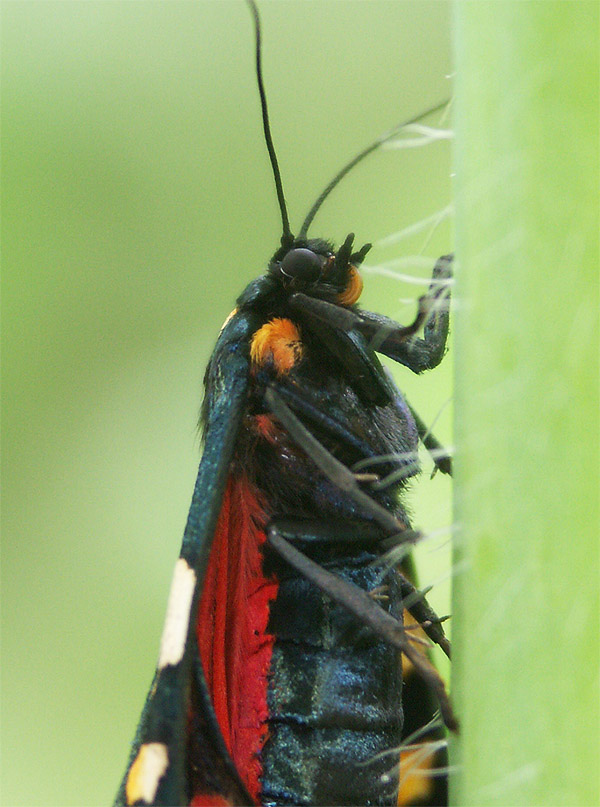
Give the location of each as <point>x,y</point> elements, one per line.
<point>302,265</point>
<point>314,267</point>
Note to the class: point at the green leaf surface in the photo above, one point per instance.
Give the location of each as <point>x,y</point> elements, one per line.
<point>526,626</point>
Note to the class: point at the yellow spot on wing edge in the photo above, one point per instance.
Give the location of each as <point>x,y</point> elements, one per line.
<point>229,316</point>
<point>416,782</point>
<point>145,773</point>
<point>172,643</point>
<point>407,665</point>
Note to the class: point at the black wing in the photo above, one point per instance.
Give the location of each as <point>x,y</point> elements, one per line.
<point>157,772</point>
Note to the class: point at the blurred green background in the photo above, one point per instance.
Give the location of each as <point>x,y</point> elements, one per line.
<point>138,201</point>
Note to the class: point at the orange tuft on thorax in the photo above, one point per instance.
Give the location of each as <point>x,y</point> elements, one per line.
<point>279,341</point>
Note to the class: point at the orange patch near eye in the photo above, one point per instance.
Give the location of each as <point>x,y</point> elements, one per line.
<point>353,288</point>
<point>278,340</point>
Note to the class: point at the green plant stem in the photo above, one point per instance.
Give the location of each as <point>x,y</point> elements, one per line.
<point>526,626</point>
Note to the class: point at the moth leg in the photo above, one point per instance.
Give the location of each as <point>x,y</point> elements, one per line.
<point>337,428</point>
<point>335,533</point>
<point>368,612</point>
<point>397,342</point>
<point>306,533</point>
<point>333,469</point>
<point>418,607</point>
<point>338,330</point>
<point>440,456</point>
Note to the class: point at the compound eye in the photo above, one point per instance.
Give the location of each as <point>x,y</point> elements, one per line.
<point>302,264</point>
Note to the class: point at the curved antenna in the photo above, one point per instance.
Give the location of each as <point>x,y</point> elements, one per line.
<point>358,158</point>
<point>286,237</point>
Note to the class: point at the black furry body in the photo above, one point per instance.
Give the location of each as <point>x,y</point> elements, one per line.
<point>335,698</point>
<point>335,689</point>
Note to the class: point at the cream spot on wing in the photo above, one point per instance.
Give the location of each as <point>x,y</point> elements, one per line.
<point>145,773</point>
<point>172,643</point>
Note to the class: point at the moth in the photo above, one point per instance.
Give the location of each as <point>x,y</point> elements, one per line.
<point>292,667</point>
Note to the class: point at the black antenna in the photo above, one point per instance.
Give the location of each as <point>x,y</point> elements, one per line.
<point>355,160</point>
<point>286,238</point>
